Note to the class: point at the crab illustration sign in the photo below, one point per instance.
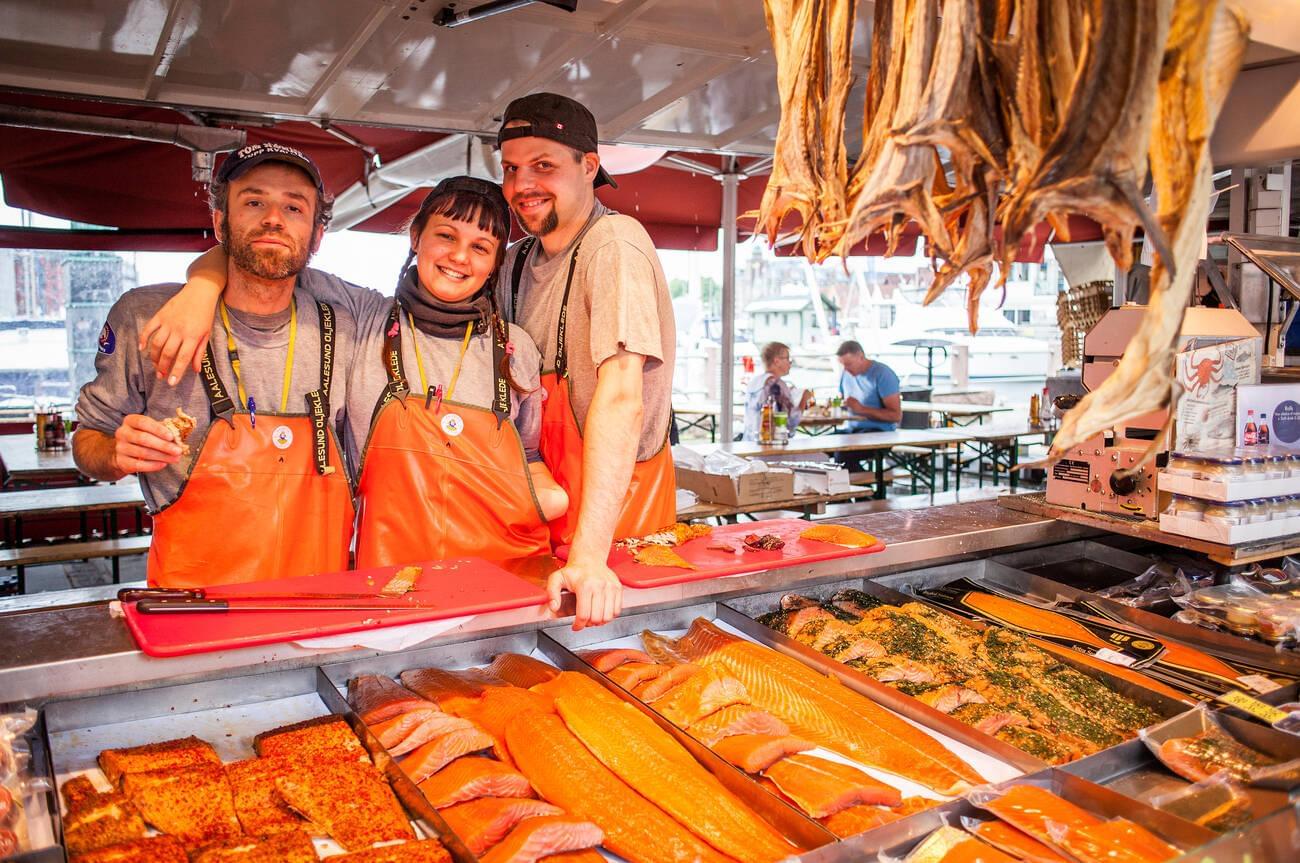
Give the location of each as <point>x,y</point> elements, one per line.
<point>1210,374</point>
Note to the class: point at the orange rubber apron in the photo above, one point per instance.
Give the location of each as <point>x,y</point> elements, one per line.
<point>651,500</point>
<point>441,479</point>
<point>267,496</point>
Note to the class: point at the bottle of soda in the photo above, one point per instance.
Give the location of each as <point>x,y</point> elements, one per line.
<point>1250,435</point>
<point>1263,429</point>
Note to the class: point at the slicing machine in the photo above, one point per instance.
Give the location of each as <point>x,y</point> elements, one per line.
<point>1106,473</point>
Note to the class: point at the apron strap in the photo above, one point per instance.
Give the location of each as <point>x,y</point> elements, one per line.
<point>318,401</point>
<point>396,387</point>
<point>517,273</point>
<point>500,356</point>
<point>561,349</point>
<point>220,403</point>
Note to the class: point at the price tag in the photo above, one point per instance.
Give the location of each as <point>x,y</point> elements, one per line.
<point>1259,683</point>
<point>1114,657</point>
<point>1253,706</point>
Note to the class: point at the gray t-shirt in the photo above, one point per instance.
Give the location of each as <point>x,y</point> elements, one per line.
<point>125,381</point>
<point>476,384</point>
<point>619,300</point>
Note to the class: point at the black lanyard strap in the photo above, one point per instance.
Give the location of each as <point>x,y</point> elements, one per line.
<point>517,273</point>
<point>500,356</point>
<point>219,400</point>
<point>561,325</point>
<point>397,387</point>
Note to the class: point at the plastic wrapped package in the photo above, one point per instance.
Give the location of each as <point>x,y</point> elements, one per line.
<point>685,457</point>
<point>1196,747</point>
<point>1157,584</point>
<point>722,463</point>
<point>1217,803</point>
<point>17,784</point>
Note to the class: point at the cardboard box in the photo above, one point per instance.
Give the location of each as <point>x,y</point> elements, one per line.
<point>812,477</point>
<point>1277,415</point>
<point>771,485</point>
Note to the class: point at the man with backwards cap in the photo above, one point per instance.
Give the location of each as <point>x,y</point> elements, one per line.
<point>588,287</point>
<point>257,489</point>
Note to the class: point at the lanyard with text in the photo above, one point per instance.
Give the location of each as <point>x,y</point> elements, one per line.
<point>318,401</point>
<point>419,362</point>
<point>233,351</point>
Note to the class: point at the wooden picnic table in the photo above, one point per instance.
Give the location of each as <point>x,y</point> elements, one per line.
<point>697,415</point>
<point>808,504</point>
<point>25,466</point>
<point>954,413</point>
<point>1000,445</point>
<point>107,499</point>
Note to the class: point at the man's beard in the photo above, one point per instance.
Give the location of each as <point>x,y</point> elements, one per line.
<point>268,264</point>
<point>550,222</point>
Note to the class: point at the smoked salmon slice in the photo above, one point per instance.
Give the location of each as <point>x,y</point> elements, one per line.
<point>859,819</point>
<point>428,759</point>
<point>823,787</point>
<point>536,838</point>
<point>736,719</point>
<point>484,822</point>
<point>401,734</point>
<point>754,753</point>
<point>651,761</point>
<point>1118,841</point>
<point>1030,809</point>
<point>1017,843</point>
<point>470,778</point>
<point>448,688</point>
<point>675,676</point>
<point>377,698</point>
<point>606,661</point>
<point>564,772</point>
<point>822,710</point>
<point>519,670</point>
<point>630,675</point>
<point>700,695</point>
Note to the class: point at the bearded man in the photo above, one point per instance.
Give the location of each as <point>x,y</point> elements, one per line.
<point>240,465</point>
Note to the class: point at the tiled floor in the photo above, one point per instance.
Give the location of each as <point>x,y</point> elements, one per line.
<point>80,573</point>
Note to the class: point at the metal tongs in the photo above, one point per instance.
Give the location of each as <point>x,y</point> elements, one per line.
<point>159,600</point>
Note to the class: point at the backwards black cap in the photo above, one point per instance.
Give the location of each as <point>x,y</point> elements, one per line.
<point>550,115</point>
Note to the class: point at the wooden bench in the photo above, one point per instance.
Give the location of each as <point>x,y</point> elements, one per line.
<point>36,555</point>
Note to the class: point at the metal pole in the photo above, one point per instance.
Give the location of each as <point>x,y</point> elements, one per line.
<point>730,186</point>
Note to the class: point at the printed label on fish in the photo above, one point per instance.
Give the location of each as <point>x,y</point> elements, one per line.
<point>1259,683</point>
<point>1114,657</point>
<point>1253,706</point>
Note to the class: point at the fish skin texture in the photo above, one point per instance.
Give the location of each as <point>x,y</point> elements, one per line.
<point>377,698</point>
<point>471,777</point>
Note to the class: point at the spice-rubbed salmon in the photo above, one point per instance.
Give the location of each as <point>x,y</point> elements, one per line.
<point>651,761</point>
<point>427,851</point>
<point>484,822</point>
<point>566,773</point>
<point>166,755</point>
<point>536,838</point>
<point>377,698</point>
<point>822,787</point>
<point>153,849</point>
<point>195,805</point>
<point>431,757</point>
<point>292,846</point>
<point>736,719</point>
<point>471,777</point>
<point>351,802</point>
<point>821,710</point>
<point>754,753</point>
<point>605,661</point>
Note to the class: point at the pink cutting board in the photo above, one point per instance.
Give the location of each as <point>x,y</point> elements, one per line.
<point>447,588</point>
<point>712,563</point>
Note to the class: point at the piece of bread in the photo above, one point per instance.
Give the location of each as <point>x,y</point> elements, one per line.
<point>325,738</point>
<point>194,805</point>
<point>838,534</point>
<point>293,846</point>
<point>259,807</point>
<point>428,851</point>
<point>350,802</point>
<point>94,819</point>
<point>155,849</point>
<point>181,425</point>
<point>167,755</point>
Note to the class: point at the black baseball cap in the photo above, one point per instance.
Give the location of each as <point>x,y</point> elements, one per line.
<point>245,159</point>
<point>490,193</point>
<point>550,115</point>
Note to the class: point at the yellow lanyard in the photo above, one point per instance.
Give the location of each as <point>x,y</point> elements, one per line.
<point>288,360</point>
<point>419,360</point>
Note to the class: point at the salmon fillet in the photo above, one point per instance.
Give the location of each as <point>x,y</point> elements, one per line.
<point>700,695</point>
<point>1017,843</point>
<point>427,851</point>
<point>650,760</point>
<point>447,688</point>
<point>1117,841</point>
<point>351,802</point>
<point>1031,809</point>
<point>497,707</point>
<point>586,855</point>
<point>293,846</point>
<point>566,773</point>
<point>194,805</point>
<point>606,661</point>
<point>167,755</point>
<point>472,777</point>
<point>652,690</point>
<point>93,819</point>
<point>377,698</point>
<point>630,675</point>
<point>440,751</point>
<point>736,719</point>
<point>859,819</point>
<point>404,733</point>
<point>155,849</point>
<point>519,670</point>
<point>536,838</point>
<point>484,822</point>
<point>822,710</point>
<point>754,753</point>
<point>259,807</point>
<point>823,787</point>
<point>322,738</point>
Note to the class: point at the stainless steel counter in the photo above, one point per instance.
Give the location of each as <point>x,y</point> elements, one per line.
<point>78,649</point>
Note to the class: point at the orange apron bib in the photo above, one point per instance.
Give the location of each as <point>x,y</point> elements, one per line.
<point>651,500</point>
<point>267,496</point>
<point>441,479</point>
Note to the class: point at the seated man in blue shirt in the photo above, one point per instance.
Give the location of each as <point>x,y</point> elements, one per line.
<point>871,397</point>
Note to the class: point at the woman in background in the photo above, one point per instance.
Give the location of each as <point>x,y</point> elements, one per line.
<point>770,384</point>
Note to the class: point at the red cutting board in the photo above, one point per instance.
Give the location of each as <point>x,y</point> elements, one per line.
<point>712,563</point>
<point>447,588</point>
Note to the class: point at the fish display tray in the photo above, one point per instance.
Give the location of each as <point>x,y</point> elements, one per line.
<point>798,828</point>
<point>895,841</point>
<point>449,588</point>
<point>227,714</point>
<point>1091,565</point>
<point>715,563</point>
<point>978,750</point>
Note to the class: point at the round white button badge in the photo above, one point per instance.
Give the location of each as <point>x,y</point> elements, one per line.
<point>453,425</point>
<point>282,437</point>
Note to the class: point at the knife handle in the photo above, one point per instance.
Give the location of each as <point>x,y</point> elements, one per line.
<point>135,594</point>
<point>188,605</point>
